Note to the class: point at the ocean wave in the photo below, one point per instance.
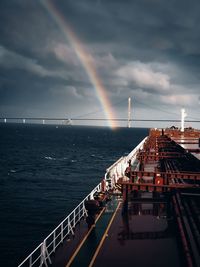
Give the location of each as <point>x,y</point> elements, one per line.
<point>12,171</point>
<point>50,158</point>
<point>99,157</point>
<point>58,159</point>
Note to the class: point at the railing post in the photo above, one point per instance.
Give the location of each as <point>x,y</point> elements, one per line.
<point>30,261</point>
<point>70,227</point>
<point>54,241</point>
<point>74,218</point>
<point>79,211</point>
<point>62,232</point>
<point>92,195</point>
<point>84,211</point>
<point>44,254</point>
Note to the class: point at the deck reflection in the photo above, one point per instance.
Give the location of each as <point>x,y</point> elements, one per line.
<point>141,236</point>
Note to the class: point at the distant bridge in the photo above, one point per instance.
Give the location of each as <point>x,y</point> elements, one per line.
<point>24,119</point>
<point>84,117</point>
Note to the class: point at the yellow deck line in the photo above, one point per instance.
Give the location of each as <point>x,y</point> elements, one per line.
<point>82,242</point>
<point>103,238</point>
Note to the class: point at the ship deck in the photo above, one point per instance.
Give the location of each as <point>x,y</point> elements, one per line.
<point>119,237</point>
<point>153,215</point>
<point>144,228</point>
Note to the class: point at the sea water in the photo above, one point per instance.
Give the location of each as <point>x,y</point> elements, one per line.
<point>45,171</point>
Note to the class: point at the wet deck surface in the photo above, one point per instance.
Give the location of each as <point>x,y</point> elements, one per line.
<point>86,252</point>
<point>143,237</point>
<point>79,249</point>
<point>143,230</point>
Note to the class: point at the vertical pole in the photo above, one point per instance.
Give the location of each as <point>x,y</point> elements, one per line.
<point>79,212</point>
<point>183,115</point>
<point>125,198</point>
<point>54,241</point>
<point>30,261</point>
<point>62,229</point>
<point>74,219</point>
<point>129,112</point>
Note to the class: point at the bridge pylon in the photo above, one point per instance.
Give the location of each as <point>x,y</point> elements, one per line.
<point>129,113</point>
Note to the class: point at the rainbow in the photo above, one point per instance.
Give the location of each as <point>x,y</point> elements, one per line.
<point>86,60</point>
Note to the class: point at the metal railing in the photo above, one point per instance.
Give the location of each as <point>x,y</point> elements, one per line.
<point>117,170</point>
<point>41,255</point>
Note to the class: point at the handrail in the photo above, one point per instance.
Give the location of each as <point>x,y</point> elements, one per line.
<point>41,255</point>
<point>117,170</point>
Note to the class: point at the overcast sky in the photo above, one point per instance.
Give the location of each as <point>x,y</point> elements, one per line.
<point>146,49</point>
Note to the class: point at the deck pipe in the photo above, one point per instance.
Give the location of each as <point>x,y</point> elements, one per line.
<point>193,224</point>
<point>182,234</point>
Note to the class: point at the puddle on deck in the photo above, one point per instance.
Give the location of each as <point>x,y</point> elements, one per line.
<point>143,236</point>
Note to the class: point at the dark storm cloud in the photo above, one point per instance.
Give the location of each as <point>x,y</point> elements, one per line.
<point>146,49</point>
